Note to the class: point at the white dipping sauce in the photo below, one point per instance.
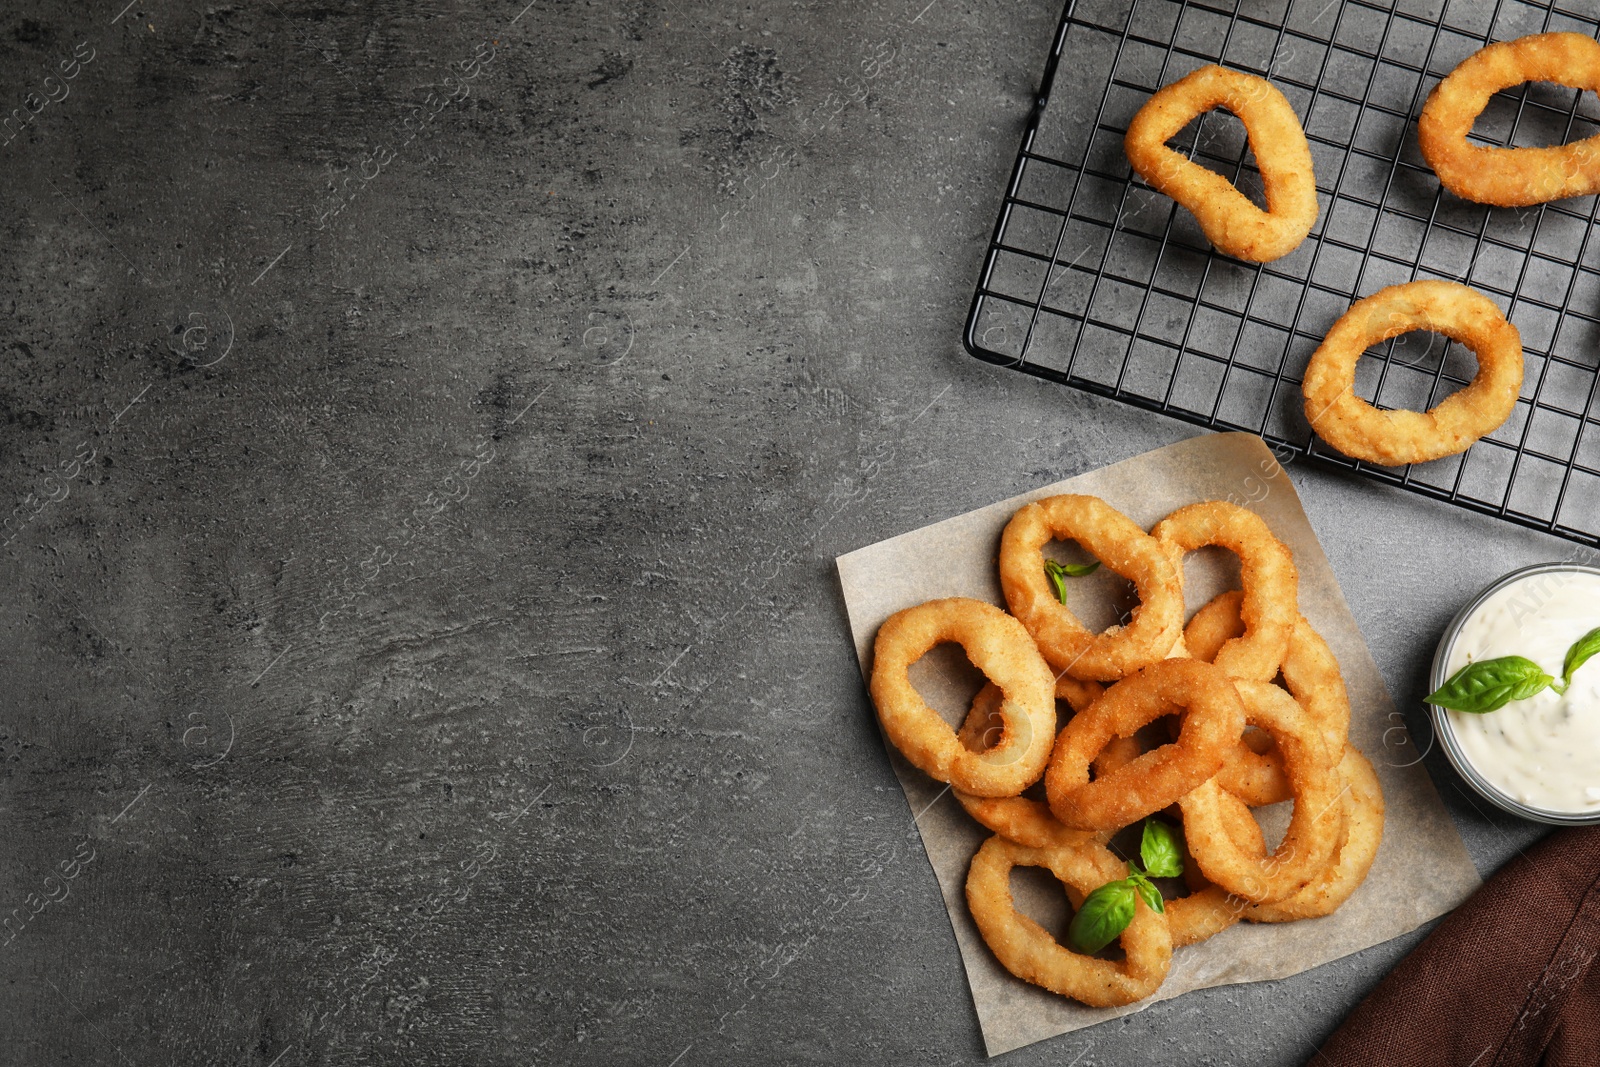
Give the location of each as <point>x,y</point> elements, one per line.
<point>1543,751</point>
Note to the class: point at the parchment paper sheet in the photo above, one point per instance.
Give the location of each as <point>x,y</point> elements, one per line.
<point>1422,869</point>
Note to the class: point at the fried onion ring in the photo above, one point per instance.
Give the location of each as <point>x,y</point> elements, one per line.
<point>1312,676</point>
<point>1119,543</point>
<point>1394,438</point>
<point>1214,722</point>
<point>1253,771</point>
<point>1209,909</point>
<point>1363,808</point>
<point>1077,693</point>
<point>1315,828</point>
<point>1256,777</point>
<point>1269,605</point>
<point>983,725</point>
<point>1027,950</point>
<point>1510,177</point>
<point>1023,819</point>
<point>1214,625</point>
<point>1310,671</point>
<point>1229,219</point>
<point>999,647</point>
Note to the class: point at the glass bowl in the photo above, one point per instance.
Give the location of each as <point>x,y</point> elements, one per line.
<point>1444,727</point>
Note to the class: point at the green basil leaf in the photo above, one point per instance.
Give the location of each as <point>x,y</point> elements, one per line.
<point>1579,654</point>
<point>1105,914</point>
<point>1059,572</point>
<point>1152,895</point>
<point>1159,850</point>
<point>1531,686</point>
<point>1490,684</point>
<point>1052,570</point>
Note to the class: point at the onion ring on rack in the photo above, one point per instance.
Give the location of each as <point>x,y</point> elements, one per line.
<point>1315,828</point>
<point>1510,177</point>
<point>1394,438</point>
<point>1022,819</point>
<point>1123,547</point>
<point>999,647</point>
<point>1027,950</point>
<point>1213,724</point>
<point>1229,219</point>
<point>1363,809</point>
<point>1269,606</point>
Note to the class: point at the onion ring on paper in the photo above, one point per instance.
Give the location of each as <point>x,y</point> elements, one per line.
<point>1253,771</point>
<point>1510,177</point>
<point>1312,675</point>
<point>1229,219</point>
<point>1310,671</point>
<point>1209,909</point>
<point>1214,625</point>
<point>1315,828</point>
<point>983,725</point>
<point>1119,543</point>
<point>1077,693</point>
<point>1027,950</point>
<point>1270,604</point>
<point>999,647</point>
<point>1394,438</point>
<point>1023,819</point>
<point>1256,777</point>
<point>1212,726</point>
<point>1363,809</point>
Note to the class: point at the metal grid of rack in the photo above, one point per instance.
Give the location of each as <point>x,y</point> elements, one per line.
<point>1095,280</point>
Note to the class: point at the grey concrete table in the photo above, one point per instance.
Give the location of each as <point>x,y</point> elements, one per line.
<point>427,429</point>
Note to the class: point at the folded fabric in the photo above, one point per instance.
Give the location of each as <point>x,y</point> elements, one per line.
<point>1506,980</point>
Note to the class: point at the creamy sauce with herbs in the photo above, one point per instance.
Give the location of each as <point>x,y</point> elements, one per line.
<point>1543,751</point>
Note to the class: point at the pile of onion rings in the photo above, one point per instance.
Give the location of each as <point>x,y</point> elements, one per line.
<point>1256,713</point>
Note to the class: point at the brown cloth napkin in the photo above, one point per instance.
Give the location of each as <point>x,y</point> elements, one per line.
<point>1508,979</point>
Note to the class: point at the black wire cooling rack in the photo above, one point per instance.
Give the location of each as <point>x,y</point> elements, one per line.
<point>1095,280</point>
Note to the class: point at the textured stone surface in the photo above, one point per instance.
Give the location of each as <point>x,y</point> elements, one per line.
<point>440,656</point>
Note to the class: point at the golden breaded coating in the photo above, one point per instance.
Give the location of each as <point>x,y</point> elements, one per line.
<point>1229,219</point>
